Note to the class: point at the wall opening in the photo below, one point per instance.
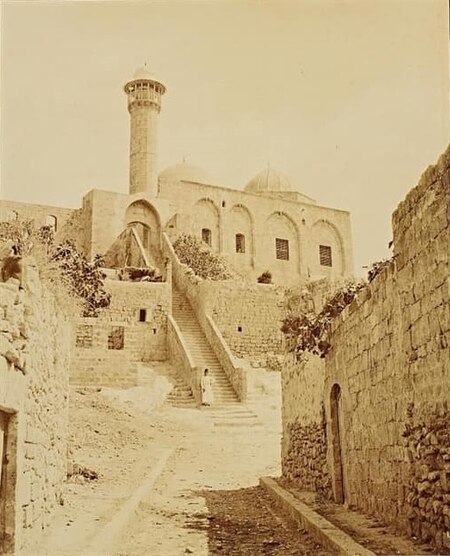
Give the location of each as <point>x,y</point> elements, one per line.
<point>336,437</point>
<point>206,236</point>
<point>239,328</point>
<point>325,255</point>
<point>142,315</point>
<point>8,456</point>
<point>282,249</point>
<point>116,337</point>
<point>240,243</point>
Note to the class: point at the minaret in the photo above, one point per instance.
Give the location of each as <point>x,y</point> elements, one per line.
<point>144,104</point>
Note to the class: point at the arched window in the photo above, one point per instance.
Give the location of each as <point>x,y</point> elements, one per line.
<point>206,236</point>
<point>240,243</point>
<point>51,222</point>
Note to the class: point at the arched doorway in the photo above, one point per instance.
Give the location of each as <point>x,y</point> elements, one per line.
<point>336,437</point>
<point>144,218</point>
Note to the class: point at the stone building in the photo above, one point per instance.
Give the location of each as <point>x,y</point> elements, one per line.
<point>269,225</point>
<point>369,425</point>
<point>34,379</point>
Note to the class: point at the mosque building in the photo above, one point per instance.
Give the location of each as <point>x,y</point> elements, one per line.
<point>269,225</point>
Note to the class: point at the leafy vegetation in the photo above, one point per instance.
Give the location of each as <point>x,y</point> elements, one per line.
<point>311,332</point>
<point>198,256</point>
<point>77,282</point>
<point>265,278</point>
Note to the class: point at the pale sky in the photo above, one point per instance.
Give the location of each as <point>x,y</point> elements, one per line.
<point>348,98</point>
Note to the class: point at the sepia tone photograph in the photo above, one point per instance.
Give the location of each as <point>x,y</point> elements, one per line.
<point>224,278</point>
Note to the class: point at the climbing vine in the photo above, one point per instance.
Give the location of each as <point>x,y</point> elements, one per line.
<point>310,332</point>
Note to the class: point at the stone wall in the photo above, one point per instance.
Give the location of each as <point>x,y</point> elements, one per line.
<point>34,364</point>
<point>303,444</point>
<point>108,349</point>
<point>390,352</point>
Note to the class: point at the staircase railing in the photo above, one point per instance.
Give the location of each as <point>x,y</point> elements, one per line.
<point>236,375</point>
<point>141,248</point>
<point>182,358</point>
<point>190,286</point>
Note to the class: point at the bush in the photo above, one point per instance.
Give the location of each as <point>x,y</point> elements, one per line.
<point>77,284</point>
<point>311,332</point>
<point>135,274</point>
<point>265,278</point>
<point>197,255</point>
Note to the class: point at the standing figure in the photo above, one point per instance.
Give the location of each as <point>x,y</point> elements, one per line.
<point>207,392</point>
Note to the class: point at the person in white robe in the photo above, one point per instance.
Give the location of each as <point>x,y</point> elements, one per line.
<point>207,391</point>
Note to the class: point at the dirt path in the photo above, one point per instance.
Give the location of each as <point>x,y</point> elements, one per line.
<point>206,501</point>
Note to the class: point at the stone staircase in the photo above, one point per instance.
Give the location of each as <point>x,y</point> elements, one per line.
<point>226,410</point>
<point>181,396</point>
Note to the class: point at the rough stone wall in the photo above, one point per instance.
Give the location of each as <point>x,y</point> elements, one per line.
<point>391,350</point>
<point>303,444</point>
<point>97,360</point>
<point>248,315</point>
<point>34,401</point>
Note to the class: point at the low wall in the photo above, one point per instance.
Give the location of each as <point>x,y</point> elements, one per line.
<point>33,411</point>
<point>304,443</point>
<point>182,359</point>
<point>236,375</point>
<point>107,349</point>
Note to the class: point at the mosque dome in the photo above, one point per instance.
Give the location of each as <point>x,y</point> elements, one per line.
<point>185,172</point>
<point>269,180</point>
<point>143,73</point>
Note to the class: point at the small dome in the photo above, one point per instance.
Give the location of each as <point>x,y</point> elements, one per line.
<point>143,73</point>
<point>185,172</point>
<point>269,180</point>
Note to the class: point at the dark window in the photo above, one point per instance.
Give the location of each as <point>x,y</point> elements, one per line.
<point>116,337</point>
<point>282,249</point>
<point>142,315</point>
<point>239,328</point>
<point>325,255</point>
<point>206,236</point>
<point>84,336</point>
<point>223,204</point>
<point>240,243</point>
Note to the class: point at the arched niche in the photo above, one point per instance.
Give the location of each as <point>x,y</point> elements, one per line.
<point>281,243</point>
<point>206,217</point>
<point>143,216</point>
<point>326,255</point>
<point>240,235</point>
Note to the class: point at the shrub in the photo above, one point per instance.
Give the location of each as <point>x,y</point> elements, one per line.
<point>77,284</point>
<point>136,274</point>
<point>197,255</point>
<point>265,278</point>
